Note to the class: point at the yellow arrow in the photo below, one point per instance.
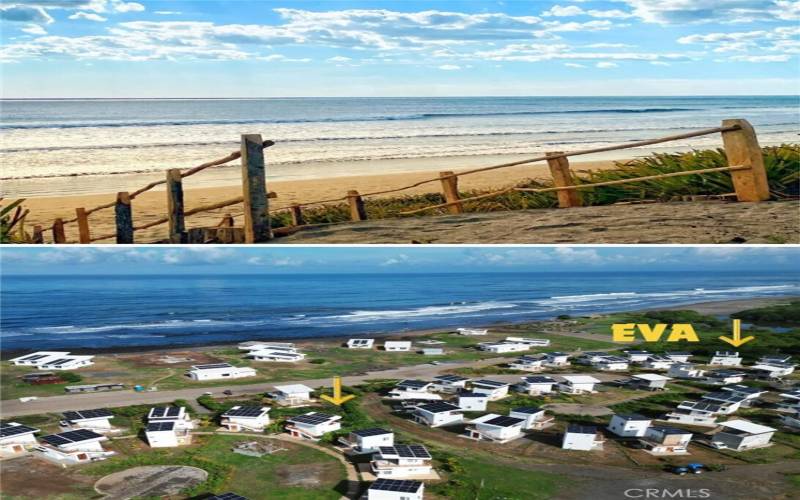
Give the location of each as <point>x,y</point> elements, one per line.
<point>737,339</point>
<point>337,397</point>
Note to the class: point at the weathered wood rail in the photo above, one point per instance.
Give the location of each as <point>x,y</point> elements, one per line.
<point>745,164</point>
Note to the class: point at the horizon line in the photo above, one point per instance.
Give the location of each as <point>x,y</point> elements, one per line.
<point>391,97</point>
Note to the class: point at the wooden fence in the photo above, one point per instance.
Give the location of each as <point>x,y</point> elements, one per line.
<point>745,163</point>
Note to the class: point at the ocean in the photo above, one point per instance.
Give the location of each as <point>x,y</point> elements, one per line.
<point>107,312</point>
<point>90,139</point>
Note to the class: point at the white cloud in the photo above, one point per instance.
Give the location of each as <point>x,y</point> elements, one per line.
<point>397,260</point>
<point>167,12</point>
<point>559,11</point>
<point>762,59</point>
<point>574,65</point>
<point>89,16</point>
<point>25,14</point>
<point>706,11</point>
<point>127,6</point>
<point>581,255</point>
<point>339,59</point>
<point>34,29</point>
<point>282,58</point>
<point>449,67</point>
<point>606,65</point>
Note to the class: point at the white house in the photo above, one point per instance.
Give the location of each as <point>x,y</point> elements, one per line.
<point>246,418</point>
<point>725,358</point>
<point>772,371</point>
<point>368,440</point>
<point>397,345</point>
<point>528,363</point>
<point>685,371</point>
<point>534,418</point>
<point>678,356</point>
<point>742,435</point>
<point>531,342</point>
<point>413,389</point>
<point>360,343</point>
<point>556,359</point>
<point>661,440</point>
<point>38,358</point>
<point>472,331</point>
<point>729,402</point>
<point>611,364</point>
<point>71,362</point>
<point>312,425</point>
<point>402,461</point>
<point>496,428</point>
<point>771,359</point>
<point>536,385</point>
<point>792,420</point>
<point>724,377</point>
<point>98,420</point>
<point>591,357</point>
<point>582,437</point>
<point>16,438</point>
<point>578,384</point>
<point>276,356</point>
<point>438,414</point>
<point>750,394</point>
<point>472,401</point>
<point>495,390</point>
<point>168,426</point>
<point>637,356</point>
<point>268,346</point>
<point>395,489</point>
<point>649,381</point>
<point>701,413</point>
<point>449,383</point>
<point>503,347</point>
<point>292,394</point>
<point>657,362</point>
<point>629,425</point>
<point>790,401</point>
<point>432,351</point>
<point>219,371</point>
<point>74,447</point>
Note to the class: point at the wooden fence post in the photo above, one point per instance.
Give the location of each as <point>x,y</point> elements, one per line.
<point>254,189</point>
<point>225,229</point>
<point>58,231</point>
<point>38,235</point>
<point>124,218</point>
<point>84,236</point>
<point>297,216</point>
<point>450,190</point>
<point>177,228</point>
<point>562,176</point>
<point>357,210</point>
<point>741,148</point>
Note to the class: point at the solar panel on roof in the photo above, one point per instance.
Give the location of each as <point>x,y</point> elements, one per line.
<point>57,362</point>
<point>489,383</point>
<point>213,366</point>
<point>581,429</point>
<point>398,485</point>
<point>502,421</point>
<point>439,407</point>
<point>244,411</point>
<point>71,437</point>
<point>14,430</point>
<point>539,379</point>
<point>451,378</point>
<point>227,496</point>
<point>84,414</point>
<point>527,410</point>
<point>33,357</point>
<point>165,412</point>
<point>375,431</point>
<point>311,419</point>
<point>406,451</point>
<point>160,426</point>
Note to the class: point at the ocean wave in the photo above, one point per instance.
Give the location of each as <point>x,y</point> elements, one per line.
<point>72,329</point>
<point>362,316</point>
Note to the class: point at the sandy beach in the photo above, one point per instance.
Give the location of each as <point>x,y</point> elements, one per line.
<point>151,205</point>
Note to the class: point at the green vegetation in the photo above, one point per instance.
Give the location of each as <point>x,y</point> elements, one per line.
<point>776,315</point>
<point>655,405</point>
<point>782,164</point>
<point>12,225</point>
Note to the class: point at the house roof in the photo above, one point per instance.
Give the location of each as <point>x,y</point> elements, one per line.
<point>581,379</point>
<point>669,430</point>
<point>294,388</point>
<point>70,437</point>
<point>771,368</point>
<point>651,377</point>
<point>472,395</point>
<point>725,396</point>
<point>725,373</point>
<point>160,426</point>
<point>502,421</point>
<point>405,451</point>
<point>246,411</point>
<point>489,383</point>
<point>398,485</point>
<point>743,389</point>
<point>165,412</point>
<point>372,431</point>
<point>313,418</point>
<point>8,429</point>
<point>747,426</point>
<point>528,410</point>
<point>451,378</point>
<point>419,384</point>
<point>634,418</point>
<point>438,407</point>
<point>212,366</point>
<point>581,429</point>
<point>539,379</point>
<point>87,414</point>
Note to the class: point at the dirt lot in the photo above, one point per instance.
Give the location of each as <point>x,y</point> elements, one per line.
<point>679,222</point>
<point>150,481</point>
<point>173,358</point>
<point>29,477</point>
<point>308,475</point>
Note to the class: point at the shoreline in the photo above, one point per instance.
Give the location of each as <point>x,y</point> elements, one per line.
<point>721,307</point>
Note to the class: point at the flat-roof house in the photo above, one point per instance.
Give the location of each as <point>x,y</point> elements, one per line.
<point>496,428</point>
<point>402,461</point>
<point>629,425</point>
<point>368,440</point>
<point>772,371</point>
<point>685,371</point>
<point>98,420</point>
<point>71,362</point>
<point>678,356</point>
<point>729,402</point>
<point>503,347</point>
<point>246,418</point>
<point>472,331</point>
<point>792,420</point>
<point>397,345</point>
<point>649,381</point>
<point>432,351</point>
<point>725,358</point>
<point>591,357</point>
<point>438,414</point>
<point>492,388</point>
<point>16,438</point>
<point>657,362</point>
<point>413,389</point>
<point>703,413</point>
<point>268,346</point>
<point>662,440</point>
<point>360,343</point>
<point>637,356</point>
<point>611,364</point>
<point>536,384</point>
<point>449,383</point>
<point>556,359</point>
<point>276,356</point>
<point>292,394</point>
<point>528,363</point>
<point>395,489</point>
<point>578,384</point>
<point>312,425</point>
<point>472,401</point>
<point>742,435</point>
<point>750,394</point>
<point>724,377</point>
<point>219,371</point>
<point>74,447</point>
<point>168,426</point>
<point>535,418</point>
<point>780,359</point>
<point>38,358</point>
<point>582,437</point>
<point>790,400</point>
<point>531,342</point>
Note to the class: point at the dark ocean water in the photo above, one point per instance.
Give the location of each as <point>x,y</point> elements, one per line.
<point>125,311</point>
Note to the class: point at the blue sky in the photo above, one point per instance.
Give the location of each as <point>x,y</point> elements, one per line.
<point>233,260</point>
<point>116,48</point>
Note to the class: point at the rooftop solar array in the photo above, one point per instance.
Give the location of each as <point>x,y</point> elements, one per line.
<point>406,451</point>
<point>635,417</point>
<point>71,437</point>
<point>165,412</point>
<point>554,354</point>
<point>471,395</point>
<point>57,362</point>
<point>85,414</point>
<point>725,373</point>
<point>615,359</point>
<point>398,485</point>
<point>502,421</point>
<point>451,378</point>
<point>742,389</point>
<point>670,430</point>
<point>374,431</point>
<point>489,383</point>
<point>227,496</point>
<point>359,341</point>
<point>529,410</point>
<point>311,418</point>
<point>702,406</point>
<point>540,379</point>
<point>34,357</point>
<point>8,430</point>
<point>581,429</point>
<point>213,366</point>
<point>439,407</point>
<point>726,396</point>
<point>413,383</point>
<point>160,426</point>
<point>245,411</point>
